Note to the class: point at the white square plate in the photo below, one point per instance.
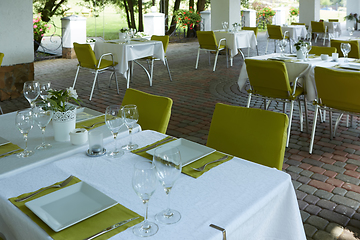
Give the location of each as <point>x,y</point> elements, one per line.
<point>189,151</point>
<point>83,114</point>
<point>3,141</point>
<point>353,66</point>
<point>70,205</point>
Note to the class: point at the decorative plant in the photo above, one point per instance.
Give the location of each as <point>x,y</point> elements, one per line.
<point>236,25</point>
<point>39,28</point>
<point>300,44</point>
<point>352,17</point>
<point>264,16</point>
<point>294,12</point>
<point>124,30</point>
<point>187,18</point>
<point>59,99</point>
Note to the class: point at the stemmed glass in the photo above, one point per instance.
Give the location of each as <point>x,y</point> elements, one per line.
<point>308,47</point>
<point>42,117</point>
<point>167,162</point>
<point>225,25</point>
<point>131,116</point>
<point>24,121</point>
<point>31,92</point>
<point>114,121</point>
<point>44,90</point>
<point>345,48</point>
<point>351,31</point>
<point>282,45</point>
<point>144,183</point>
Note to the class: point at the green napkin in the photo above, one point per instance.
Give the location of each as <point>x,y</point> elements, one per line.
<point>145,154</point>
<point>85,228</point>
<point>344,67</point>
<point>282,60</point>
<point>91,122</point>
<point>7,148</point>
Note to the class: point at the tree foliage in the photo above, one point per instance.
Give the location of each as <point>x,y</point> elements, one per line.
<point>49,8</point>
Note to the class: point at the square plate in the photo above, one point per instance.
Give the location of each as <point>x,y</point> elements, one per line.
<point>3,141</point>
<point>189,151</point>
<point>70,205</point>
<point>83,114</point>
<point>352,66</point>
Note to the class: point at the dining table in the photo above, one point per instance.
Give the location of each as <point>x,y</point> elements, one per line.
<point>333,28</point>
<point>295,32</point>
<point>126,53</point>
<point>301,67</point>
<point>247,200</point>
<point>235,40</point>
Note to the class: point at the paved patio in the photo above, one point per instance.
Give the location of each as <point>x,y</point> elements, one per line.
<point>327,182</point>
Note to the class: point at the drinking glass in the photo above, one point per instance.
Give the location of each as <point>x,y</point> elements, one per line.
<point>24,121</point>
<point>114,121</point>
<point>225,25</point>
<point>282,45</point>
<point>42,117</point>
<point>351,31</point>
<point>308,47</point>
<point>167,162</point>
<point>131,116</point>
<point>31,92</point>
<point>144,183</point>
<point>345,48</point>
<point>44,90</point>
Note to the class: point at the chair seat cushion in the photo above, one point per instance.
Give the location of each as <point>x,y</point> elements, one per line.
<point>106,63</point>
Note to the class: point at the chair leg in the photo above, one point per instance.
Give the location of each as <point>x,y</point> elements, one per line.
<point>313,130</point>
<point>267,43</point>
<point>257,50</point>
<point>216,57</point>
<point>167,66</point>
<point>330,123</point>
<point>249,99</point>
<point>76,75</point>
<point>197,59</point>
<point>306,115</point>
<point>301,117</point>
<point>290,121</point>
<point>1,110</point>
<point>337,123</point>
<point>274,46</point>
<point>152,71</point>
<point>347,120</point>
<point>227,58</point>
<point>93,86</point>
<point>116,81</point>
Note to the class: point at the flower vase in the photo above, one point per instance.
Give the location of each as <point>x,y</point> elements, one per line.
<point>63,123</point>
<point>300,54</point>
<point>122,36</point>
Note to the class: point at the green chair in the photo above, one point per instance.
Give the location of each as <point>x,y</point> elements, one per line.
<point>207,42</point>
<point>274,32</point>
<point>334,20</point>
<point>244,132</point>
<point>154,111</point>
<point>337,91</point>
<point>269,80</point>
<point>1,57</point>
<point>354,52</point>
<point>318,50</point>
<point>87,60</point>
<point>296,23</point>
<point>319,28</point>
<point>255,29</point>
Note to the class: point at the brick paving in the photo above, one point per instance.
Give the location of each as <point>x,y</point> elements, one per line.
<point>327,183</point>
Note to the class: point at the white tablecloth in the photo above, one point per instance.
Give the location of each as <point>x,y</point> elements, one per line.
<point>295,31</point>
<point>249,200</point>
<point>294,69</point>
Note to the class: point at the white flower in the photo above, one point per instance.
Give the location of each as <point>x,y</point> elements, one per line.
<point>72,92</point>
<point>124,30</point>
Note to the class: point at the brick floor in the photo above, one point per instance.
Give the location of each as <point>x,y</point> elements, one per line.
<point>327,182</point>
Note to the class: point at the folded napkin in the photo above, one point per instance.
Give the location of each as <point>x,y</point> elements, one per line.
<point>283,60</point>
<point>347,67</point>
<point>150,146</point>
<point>90,122</point>
<point>87,227</point>
<point>9,147</point>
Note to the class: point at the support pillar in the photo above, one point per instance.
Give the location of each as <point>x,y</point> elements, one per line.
<point>309,11</point>
<point>224,11</point>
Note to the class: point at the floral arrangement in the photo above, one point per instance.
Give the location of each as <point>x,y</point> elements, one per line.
<point>187,18</point>
<point>59,99</point>
<point>352,17</point>
<point>266,13</point>
<point>124,30</point>
<point>300,44</point>
<point>90,40</point>
<point>39,27</point>
<point>294,12</point>
<point>236,24</point>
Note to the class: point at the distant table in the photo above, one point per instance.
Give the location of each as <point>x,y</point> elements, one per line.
<point>124,53</point>
<point>295,31</point>
<point>333,28</point>
<point>237,40</point>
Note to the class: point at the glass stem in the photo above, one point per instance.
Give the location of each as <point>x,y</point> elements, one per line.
<point>25,139</point>
<point>43,135</point>
<point>116,148</point>
<point>130,141</point>
<point>168,211</point>
<point>145,225</point>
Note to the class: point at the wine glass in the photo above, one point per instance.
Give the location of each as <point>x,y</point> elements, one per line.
<point>167,161</point>
<point>31,92</point>
<point>114,121</point>
<point>308,47</point>
<point>131,116</point>
<point>44,90</point>
<point>351,31</point>
<point>42,117</point>
<point>345,48</point>
<point>225,25</point>
<point>282,45</point>
<point>24,121</point>
<point>144,183</point>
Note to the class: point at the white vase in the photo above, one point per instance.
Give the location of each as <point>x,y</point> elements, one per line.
<point>300,54</point>
<point>63,123</point>
<point>122,36</point>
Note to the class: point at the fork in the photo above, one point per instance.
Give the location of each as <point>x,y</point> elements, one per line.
<point>63,184</point>
<point>202,168</point>
<point>88,127</point>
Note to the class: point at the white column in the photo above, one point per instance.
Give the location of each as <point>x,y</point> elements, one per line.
<point>224,11</point>
<point>309,11</point>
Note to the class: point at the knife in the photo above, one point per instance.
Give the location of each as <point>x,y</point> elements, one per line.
<point>155,145</point>
<point>116,225</point>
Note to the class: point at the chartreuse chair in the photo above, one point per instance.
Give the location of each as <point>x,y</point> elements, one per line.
<point>87,60</point>
<point>354,52</point>
<point>274,32</point>
<point>269,80</point>
<point>296,23</point>
<point>245,133</point>
<point>255,29</point>
<point>319,28</point>
<point>334,20</point>
<point>154,111</point>
<point>318,50</point>
<point>337,91</point>
<point>1,58</point>
<point>207,42</point>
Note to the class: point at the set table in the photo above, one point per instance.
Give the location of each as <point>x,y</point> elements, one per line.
<point>295,31</point>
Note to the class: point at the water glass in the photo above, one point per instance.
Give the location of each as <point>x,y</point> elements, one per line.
<point>345,48</point>
<point>308,47</point>
<point>131,116</point>
<point>96,142</point>
<point>351,31</point>
<point>282,45</point>
<point>44,90</point>
<point>24,121</point>
<point>42,117</point>
<point>114,121</point>
<point>31,92</point>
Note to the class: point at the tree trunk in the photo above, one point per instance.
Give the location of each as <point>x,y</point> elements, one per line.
<point>190,32</point>
<point>132,15</point>
<point>127,13</point>
<point>200,6</point>
<point>173,21</point>
<point>50,8</point>
<point>141,24</point>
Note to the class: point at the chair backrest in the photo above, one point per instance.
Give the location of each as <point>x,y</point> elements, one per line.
<point>333,20</point>
<point>85,55</point>
<point>338,89</point>
<point>1,57</point>
<point>255,29</point>
<point>268,78</point>
<point>154,111</point>
<point>296,23</point>
<point>354,52</point>
<point>245,133</point>
<point>274,31</point>
<point>318,50</point>
<point>207,39</point>
<point>317,27</point>
<point>164,39</point>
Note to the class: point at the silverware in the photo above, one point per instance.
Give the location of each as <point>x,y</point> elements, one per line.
<point>88,127</point>
<point>63,184</point>
<point>220,229</point>
<point>202,168</point>
<point>116,225</point>
<point>10,152</point>
<point>155,145</point>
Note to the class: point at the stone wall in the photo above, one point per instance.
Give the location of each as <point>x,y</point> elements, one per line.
<point>12,79</point>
